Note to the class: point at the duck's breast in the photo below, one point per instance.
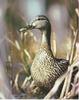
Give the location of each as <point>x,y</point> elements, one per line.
<point>41,69</point>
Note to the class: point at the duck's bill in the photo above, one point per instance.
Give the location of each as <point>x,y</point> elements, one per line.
<point>28,27</point>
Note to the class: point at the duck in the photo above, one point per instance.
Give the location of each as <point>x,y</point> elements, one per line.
<point>46,68</point>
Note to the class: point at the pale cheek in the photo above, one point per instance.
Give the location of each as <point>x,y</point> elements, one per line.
<point>33,24</point>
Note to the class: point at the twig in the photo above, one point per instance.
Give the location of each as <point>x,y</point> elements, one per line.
<point>77,11</point>
<point>25,81</point>
<point>64,87</point>
<point>55,87</point>
<point>10,41</point>
<point>68,80</point>
<point>54,44</point>
<point>16,81</point>
<point>71,59</point>
<point>76,82</point>
<point>69,95</point>
<point>73,46</point>
<point>74,91</point>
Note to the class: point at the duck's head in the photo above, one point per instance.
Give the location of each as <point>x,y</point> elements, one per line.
<point>40,22</point>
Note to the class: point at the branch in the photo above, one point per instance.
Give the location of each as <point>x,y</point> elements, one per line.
<point>55,87</point>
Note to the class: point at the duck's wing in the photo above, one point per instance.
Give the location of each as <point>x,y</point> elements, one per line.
<point>62,61</point>
<point>62,65</point>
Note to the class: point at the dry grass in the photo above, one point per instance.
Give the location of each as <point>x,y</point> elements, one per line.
<point>66,92</point>
<point>20,58</point>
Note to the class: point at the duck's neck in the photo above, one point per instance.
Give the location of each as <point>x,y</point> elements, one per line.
<point>46,38</point>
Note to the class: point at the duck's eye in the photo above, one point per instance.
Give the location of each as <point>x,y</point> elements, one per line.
<point>39,19</point>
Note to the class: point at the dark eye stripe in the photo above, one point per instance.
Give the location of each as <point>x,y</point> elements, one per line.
<point>41,17</point>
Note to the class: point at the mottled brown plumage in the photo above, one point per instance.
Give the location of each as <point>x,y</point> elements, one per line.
<point>46,68</point>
